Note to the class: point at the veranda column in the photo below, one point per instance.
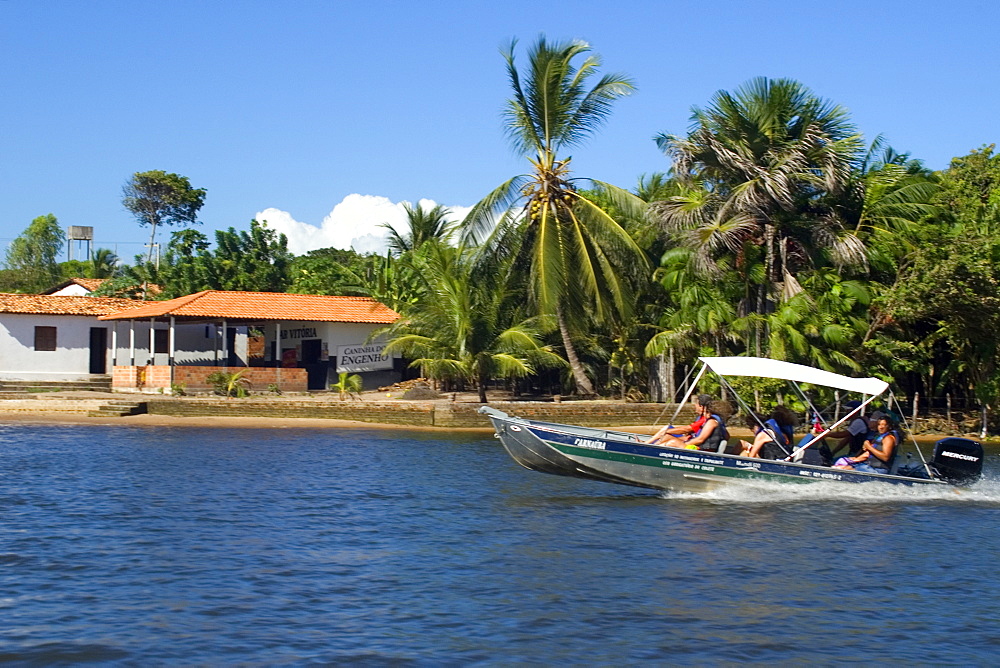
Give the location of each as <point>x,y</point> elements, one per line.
<point>277,351</point>
<point>131,342</point>
<point>152,347</point>
<point>225,346</point>
<point>114,345</point>
<point>170,349</point>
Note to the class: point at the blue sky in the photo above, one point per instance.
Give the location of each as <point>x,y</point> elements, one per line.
<point>292,108</point>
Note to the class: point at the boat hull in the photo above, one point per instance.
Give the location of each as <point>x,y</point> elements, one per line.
<point>621,458</point>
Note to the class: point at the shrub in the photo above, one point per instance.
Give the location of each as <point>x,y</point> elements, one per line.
<point>229,383</point>
<point>348,385</point>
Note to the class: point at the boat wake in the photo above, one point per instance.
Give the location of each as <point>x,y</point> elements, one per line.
<point>985,492</point>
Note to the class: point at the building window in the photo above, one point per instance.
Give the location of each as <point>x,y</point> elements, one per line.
<point>161,341</point>
<point>45,338</point>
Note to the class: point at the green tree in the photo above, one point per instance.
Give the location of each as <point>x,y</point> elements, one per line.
<point>185,268</point>
<point>970,192</point>
<point>31,257</point>
<point>933,325</point>
<point>257,260</point>
<point>157,198</point>
<point>579,260</point>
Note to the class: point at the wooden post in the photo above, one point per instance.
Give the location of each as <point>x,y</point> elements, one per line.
<point>836,405</point>
<point>916,402</point>
<point>948,409</point>
<point>671,379</point>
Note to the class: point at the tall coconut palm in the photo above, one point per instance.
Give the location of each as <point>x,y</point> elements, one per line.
<point>578,258</point>
<point>761,162</point>
<point>461,329</point>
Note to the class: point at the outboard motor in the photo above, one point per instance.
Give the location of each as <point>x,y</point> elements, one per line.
<point>958,460</point>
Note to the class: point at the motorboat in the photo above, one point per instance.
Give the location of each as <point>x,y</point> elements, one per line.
<point>625,458</point>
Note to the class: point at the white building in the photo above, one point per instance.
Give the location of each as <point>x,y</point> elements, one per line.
<point>296,342</point>
<point>48,337</point>
<point>75,287</point>
<point>293,341</point>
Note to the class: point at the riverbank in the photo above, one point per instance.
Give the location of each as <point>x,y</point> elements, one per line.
<point>326,411</point>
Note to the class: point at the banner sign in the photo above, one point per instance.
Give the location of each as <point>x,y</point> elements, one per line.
<point>356,358</point>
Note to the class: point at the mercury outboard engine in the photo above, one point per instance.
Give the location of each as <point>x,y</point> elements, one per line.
<point>958,460</point>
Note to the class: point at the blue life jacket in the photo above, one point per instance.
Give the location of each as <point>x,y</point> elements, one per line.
<point>877,463</point>
<point>783,434</point>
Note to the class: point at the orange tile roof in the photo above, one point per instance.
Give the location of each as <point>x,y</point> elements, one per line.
<point>265,306</point>
<point>65,304</point>
<point>89,283</point>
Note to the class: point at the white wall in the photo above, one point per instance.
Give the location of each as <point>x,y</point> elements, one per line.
<point>333,334</point>
<point>194,344</point>
<point>72,290</point>
<point>69,361</point>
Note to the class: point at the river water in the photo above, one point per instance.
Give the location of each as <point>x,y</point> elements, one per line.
<point>153,546</point>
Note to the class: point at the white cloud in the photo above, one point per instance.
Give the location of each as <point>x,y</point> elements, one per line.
<point>356,222</point>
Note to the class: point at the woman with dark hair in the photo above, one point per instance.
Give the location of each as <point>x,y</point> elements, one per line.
<point>712,432</point>
<point>878,453</point>
<point>684,432</point>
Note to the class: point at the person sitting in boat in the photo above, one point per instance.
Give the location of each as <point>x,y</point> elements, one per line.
<point>712,434</point>
<point>877,454</point>
<point>773,436</point>
<point>853,437</point>
<point>684,432</point>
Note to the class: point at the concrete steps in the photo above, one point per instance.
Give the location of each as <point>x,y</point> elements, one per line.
<point>92,384</point>
<point>15,395</point>
<point>119,408</point>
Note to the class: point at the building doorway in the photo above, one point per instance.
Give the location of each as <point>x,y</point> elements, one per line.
<point>98,350</point>
<point>316,369</point>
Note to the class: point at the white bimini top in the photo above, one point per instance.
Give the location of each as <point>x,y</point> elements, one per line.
<point>762,367</point>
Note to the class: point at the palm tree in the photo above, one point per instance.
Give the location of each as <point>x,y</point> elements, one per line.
<point>462,329</point>
<point>103,263</point>
<point>759,164</point>
<point>889,195</point>
<point>425,225</point>
<point>577,257</point>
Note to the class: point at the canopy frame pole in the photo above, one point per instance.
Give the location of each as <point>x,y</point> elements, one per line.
<point>826,432</point>
<point>806,398</point>
<point>673,395</point>
<point>895,402</point>
<point>690,391</point>
<point>744,405</point>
